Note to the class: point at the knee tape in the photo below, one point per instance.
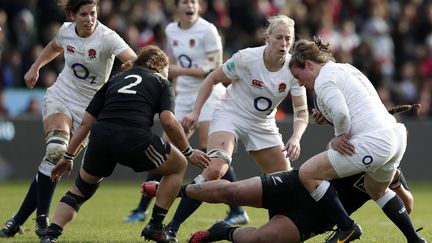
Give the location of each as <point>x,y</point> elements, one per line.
<point>56,144</point>
<point>73,200</point>
<point>85,188</point>
<point>219,154</point>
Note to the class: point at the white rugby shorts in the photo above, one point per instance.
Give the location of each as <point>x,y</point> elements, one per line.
<point>61,100</point>
<point>253,134</point>
<point>377,153</point>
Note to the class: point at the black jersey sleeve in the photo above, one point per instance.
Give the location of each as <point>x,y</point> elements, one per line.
<point>98,101</point>
<point>167,101</point>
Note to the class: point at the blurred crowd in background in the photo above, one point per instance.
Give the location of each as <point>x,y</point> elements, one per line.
<point>389,40</point>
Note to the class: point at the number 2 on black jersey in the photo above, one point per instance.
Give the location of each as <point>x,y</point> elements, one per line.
<point>127,89</point>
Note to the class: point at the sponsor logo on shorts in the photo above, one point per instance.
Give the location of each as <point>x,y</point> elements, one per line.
<point>359,184</point>
<point>276,179</point>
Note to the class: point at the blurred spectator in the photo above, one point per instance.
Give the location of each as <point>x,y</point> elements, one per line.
<point>376,36</point>
<point>33,109</point>
<point>3,110</point>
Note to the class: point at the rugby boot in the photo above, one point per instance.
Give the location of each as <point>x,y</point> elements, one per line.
<point>41,226</point>
<point>48,239</point>
<point>172,231</point>
<point>10,229</point>
<point>149,188</point>
<point>219,231</point>
<point>237,218</point>
<point>136,216</point>
<point>158,235</point>
<point>342,236</point>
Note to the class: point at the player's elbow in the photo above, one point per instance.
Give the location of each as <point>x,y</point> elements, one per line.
<point>168,121</point>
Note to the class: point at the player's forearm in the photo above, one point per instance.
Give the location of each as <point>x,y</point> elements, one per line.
<point>50,52</point>
<point>204,92</point>
<point>81,134</point>
<point>299,127</point>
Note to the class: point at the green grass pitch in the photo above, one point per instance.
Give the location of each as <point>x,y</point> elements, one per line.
<point>100,219</point>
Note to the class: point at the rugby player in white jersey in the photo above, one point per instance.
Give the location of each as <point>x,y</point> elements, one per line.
<point>195,49</point>
<point>89,49</point>
<point>367,139</point>
<point>260,80</point>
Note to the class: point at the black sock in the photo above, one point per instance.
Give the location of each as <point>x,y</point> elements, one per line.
<point>145,201</point>
<point>158,216</point>
<point>185,209</point>
<point>331,204</point>
<point>182,192</point>
<point>221,233</point>
<point>54,230</point>
<point>396,212</point>
<point>231,234</point>
<point>28,206</point>
<point>230,176</point>
<point>45,194</point>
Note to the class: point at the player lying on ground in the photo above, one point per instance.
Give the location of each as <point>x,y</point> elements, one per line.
<point>294,213</point>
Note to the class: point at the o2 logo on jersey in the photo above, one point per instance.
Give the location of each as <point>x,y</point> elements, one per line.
<point>262,103</point>
<point>81,72</point>
<point>185,61</point>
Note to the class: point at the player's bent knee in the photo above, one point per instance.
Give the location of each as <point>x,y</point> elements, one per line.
<point>219,154</point>
<point>56,144</point>
<point>73,200</point>
<point>86,189</point>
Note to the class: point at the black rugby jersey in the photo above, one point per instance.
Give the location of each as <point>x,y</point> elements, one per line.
<point>132,98</point>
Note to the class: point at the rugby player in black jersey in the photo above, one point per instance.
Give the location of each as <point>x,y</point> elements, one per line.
<point>120,117</point>
<point>294,216</point>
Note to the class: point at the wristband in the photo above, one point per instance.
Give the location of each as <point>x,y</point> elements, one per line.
<point>188,151</point>
<point>68,156</point>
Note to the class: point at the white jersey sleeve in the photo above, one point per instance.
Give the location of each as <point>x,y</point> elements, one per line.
<point>347,98</point>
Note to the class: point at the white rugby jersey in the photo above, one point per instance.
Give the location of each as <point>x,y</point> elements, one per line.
<point>190,48</point>
<point>342,89</point>
<point>256,92</point>
<point>88,61</point>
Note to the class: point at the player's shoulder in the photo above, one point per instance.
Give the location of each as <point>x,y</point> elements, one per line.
<point>330,72</point>
<point>172,27</point>
<point>251,54</point>
<point>204,24</point>
<point>104,30</point>
<point>67,27</point>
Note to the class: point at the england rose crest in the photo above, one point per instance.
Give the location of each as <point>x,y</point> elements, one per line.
<point>92,54</point>
<point>282,88</point>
